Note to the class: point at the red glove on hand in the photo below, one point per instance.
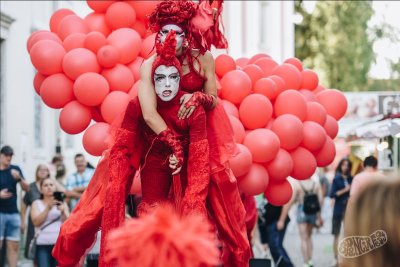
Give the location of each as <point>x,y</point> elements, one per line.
<point>169,138</point>
<point>199,98</point>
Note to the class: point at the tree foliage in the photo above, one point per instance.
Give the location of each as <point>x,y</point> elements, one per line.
<point>335,41</point>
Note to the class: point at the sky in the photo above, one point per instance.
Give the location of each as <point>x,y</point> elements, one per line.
<point>384,11</point>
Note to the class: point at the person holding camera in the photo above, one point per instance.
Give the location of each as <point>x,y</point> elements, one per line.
<point>47,214</point>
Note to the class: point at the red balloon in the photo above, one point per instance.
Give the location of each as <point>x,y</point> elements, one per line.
<point>224,64</point>
<point>75,117</point>
<point>270,123</point>
<point>256,57</point>
<point>74,40</point>
<point>331,127</point>
<point>238,129</point>
<point>290,74</point>
<point>134,66</point>
<point>263,144</point>
<point>255,111</point>
<point>308,95</point>
<point>319,89</point>
<point>39,36</point>
<point>94,41</point>
<point>94,138</point>
<point>316,112</point>
<point>304,163</point>
<point>133,93</point>
<point>230,108</point>
<point>255,182</point>
<point>96,114</point>
<point>37,81</point>
<point>143,8</point>
<point>295,62</point>
<point>267,65</point>
<point>254,72</point>
<point>79,61</point>
<point>326,154</point>
<point>113,105</point>
<point>127,41</point>
<point>236,85</point>
<point>108,56</point>
<point>91,88</point>
<point>280,167</point>
<point>140,27</point>
<point>120,78</point>
<point>97,22</point>
<point>56,90</point>
<point>241,163</point>
<point>289,129</point>
<point>120,15</point>
<point>291,102</point>
<point>99,6</point>
<point>280,83</point>
<point>267,87</point>
<point>314,136</point>
<point>334,102</point>
<point>57,17</point>
<point>241,62</point>
<point>279,194</point>
<point>310,80</point>
<point>71,24</point>
<point>47,57</point>
<point>148,46</point>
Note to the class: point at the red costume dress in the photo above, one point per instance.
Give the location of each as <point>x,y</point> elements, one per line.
<point>224,200</point>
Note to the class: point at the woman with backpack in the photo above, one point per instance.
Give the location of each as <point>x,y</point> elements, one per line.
<point>308,196</point>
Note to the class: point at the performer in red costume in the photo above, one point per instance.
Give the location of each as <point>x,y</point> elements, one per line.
<point>199,81</point>
<point>183,139</point>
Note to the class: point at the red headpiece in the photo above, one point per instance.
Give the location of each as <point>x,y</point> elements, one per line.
<point>166,54</point>
<point>172,12</point>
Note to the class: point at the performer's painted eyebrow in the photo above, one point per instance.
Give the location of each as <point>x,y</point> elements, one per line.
<point>159,75</point>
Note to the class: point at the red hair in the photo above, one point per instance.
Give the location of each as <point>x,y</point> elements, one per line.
<point>162,238</point>
<point>166,54</point>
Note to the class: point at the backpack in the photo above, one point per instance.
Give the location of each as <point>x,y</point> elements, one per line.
<point>310,202</point>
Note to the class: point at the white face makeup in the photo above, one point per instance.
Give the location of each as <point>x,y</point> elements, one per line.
<point>180,34</point>
<point>166,82</point>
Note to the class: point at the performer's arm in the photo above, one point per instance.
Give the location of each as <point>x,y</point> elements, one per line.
<point>198,165</point>
<point>148,99</point>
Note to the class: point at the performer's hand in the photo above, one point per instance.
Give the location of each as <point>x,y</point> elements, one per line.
<point>184,111</point>
<point>173,163</point>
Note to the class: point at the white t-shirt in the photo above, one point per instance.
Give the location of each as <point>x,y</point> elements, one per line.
<point>48,236</point>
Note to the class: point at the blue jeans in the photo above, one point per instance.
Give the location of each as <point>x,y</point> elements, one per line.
<point>275,242</point>
<point>44,257</point>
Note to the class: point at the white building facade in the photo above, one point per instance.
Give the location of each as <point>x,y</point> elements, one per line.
<point>26,123</point>
<point>260,27</point>
<point>32,128</point>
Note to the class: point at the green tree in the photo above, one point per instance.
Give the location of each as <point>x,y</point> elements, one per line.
<point>335,41</point>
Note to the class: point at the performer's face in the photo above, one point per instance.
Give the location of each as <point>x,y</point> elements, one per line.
<point>166,82</point>
<point>180,34</point>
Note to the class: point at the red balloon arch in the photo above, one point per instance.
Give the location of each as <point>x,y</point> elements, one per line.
<point>89,68</point>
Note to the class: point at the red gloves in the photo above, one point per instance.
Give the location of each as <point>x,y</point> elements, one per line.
<point>169,138</point>
<point>199,98</point>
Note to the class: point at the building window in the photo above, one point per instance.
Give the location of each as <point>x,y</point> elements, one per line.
<point>38,125</point>
<point>1,90</point>
<point>263,23</point>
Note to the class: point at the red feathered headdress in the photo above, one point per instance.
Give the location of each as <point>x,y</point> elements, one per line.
<point>163,238</point>
<point>166,54</point>
<point>172,12</point>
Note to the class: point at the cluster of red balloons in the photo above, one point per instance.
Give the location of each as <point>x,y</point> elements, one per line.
<point>89,68</point>
<point>283,120</point>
